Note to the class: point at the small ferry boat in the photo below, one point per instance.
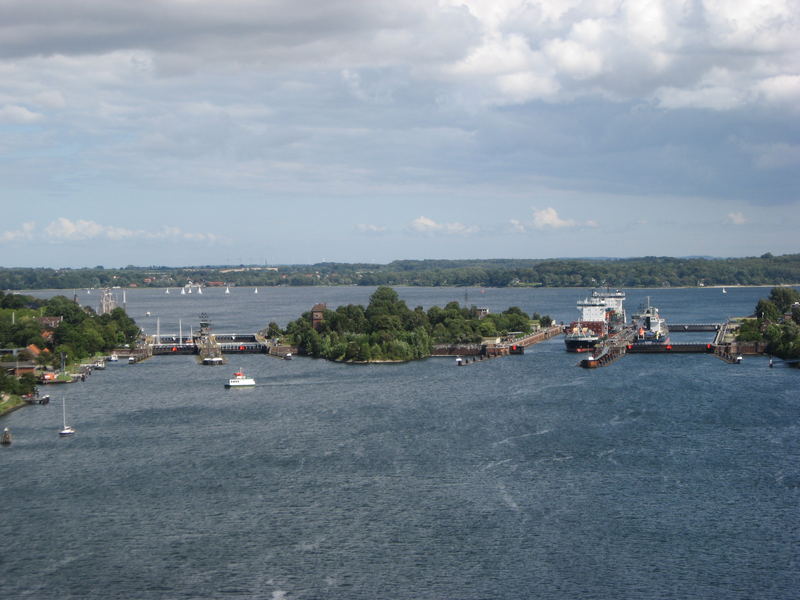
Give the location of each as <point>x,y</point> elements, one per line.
<point>239,379</point>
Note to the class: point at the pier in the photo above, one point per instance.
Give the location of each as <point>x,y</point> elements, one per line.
<point>723,346</point>
<point>232,343</point>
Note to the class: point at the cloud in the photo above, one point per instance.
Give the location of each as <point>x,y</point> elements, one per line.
<point>736,218</point>
<point>24,233</point>
<point>425,225</point>
<point>548,218</point>
<point>18,115</point>
<point>67,230</point>
<point>368,228</point>
<point>499,52</point>
<point>517,226</point>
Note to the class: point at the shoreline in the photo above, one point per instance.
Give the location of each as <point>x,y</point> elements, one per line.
<point>476,286</point>
<point>11,407</point>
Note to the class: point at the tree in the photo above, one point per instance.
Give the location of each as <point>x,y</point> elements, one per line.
<point>273,330</point>
<point>766,309</point>
<point>783,298</point>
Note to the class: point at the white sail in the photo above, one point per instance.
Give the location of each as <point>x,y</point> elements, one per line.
<point>66,429</point>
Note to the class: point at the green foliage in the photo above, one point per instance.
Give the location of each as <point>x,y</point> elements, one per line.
<point>648,271</point>
<point>81,333</point>
<point>388,330</point>
<point>783,298</point>
<point>782,334</point>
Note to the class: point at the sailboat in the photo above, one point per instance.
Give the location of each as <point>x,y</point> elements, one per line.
<point>183,291</point>
<point>724,291</point>
<point>167,292</point>
<point>66,430</point>
<point>227,290</point>
<point>199,290</point>
<point>255,291</point>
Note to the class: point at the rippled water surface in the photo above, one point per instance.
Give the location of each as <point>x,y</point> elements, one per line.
<point>522,477</point>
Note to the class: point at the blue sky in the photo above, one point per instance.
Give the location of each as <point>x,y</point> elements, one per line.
<point>181,132</point>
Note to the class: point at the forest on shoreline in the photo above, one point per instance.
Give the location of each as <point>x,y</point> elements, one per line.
<point>388,330</point>
<point>776,321</point>
<point>647,272</point>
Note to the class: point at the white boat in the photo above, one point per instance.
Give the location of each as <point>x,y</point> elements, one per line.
<point>66,429</point>
<point>131,360</point>
<point>239,379</point>
<point>724,291</point>
<point>255,291</point>
<point>167,292</point>
<point>227,290</point>
<point>113,358</point>
<point>199,290</point>
<point>6,439</point>
<point>650,327</point>
<point>183,291</point>
<point>99,364</point>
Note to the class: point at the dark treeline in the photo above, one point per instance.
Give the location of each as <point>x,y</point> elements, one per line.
<point>650,271</point>
<point>387,329</point>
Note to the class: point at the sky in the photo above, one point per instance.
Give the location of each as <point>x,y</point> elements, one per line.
<point>196,132</point>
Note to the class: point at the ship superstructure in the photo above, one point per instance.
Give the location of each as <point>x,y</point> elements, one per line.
<point>600,313</point>
<point>649,326</point>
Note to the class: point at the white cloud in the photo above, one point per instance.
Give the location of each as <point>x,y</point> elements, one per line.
<point>18,115</point>
<point>736,218</point>
<point>24,233</point>
<point>425,225</point>
<point>369,228</point>
<point>781,89</point>
<point>505,51</point>
<point>517,226</point>
<point>548,218</point>
<point>67,230</point>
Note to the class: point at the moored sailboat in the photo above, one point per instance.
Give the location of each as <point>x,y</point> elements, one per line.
<point>65,429</point>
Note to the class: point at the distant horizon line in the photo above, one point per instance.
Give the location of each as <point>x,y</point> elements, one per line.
<point>454,260</point>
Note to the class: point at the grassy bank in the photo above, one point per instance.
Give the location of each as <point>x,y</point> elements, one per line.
<point>10,403</point>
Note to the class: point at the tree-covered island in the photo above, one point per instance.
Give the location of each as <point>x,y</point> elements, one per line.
<point>776,321</point>
<point>388,330</point>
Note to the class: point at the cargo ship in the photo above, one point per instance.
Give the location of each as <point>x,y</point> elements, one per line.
<point>600,314</point>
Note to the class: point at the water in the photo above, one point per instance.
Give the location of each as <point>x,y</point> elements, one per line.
<point>522,477</point>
